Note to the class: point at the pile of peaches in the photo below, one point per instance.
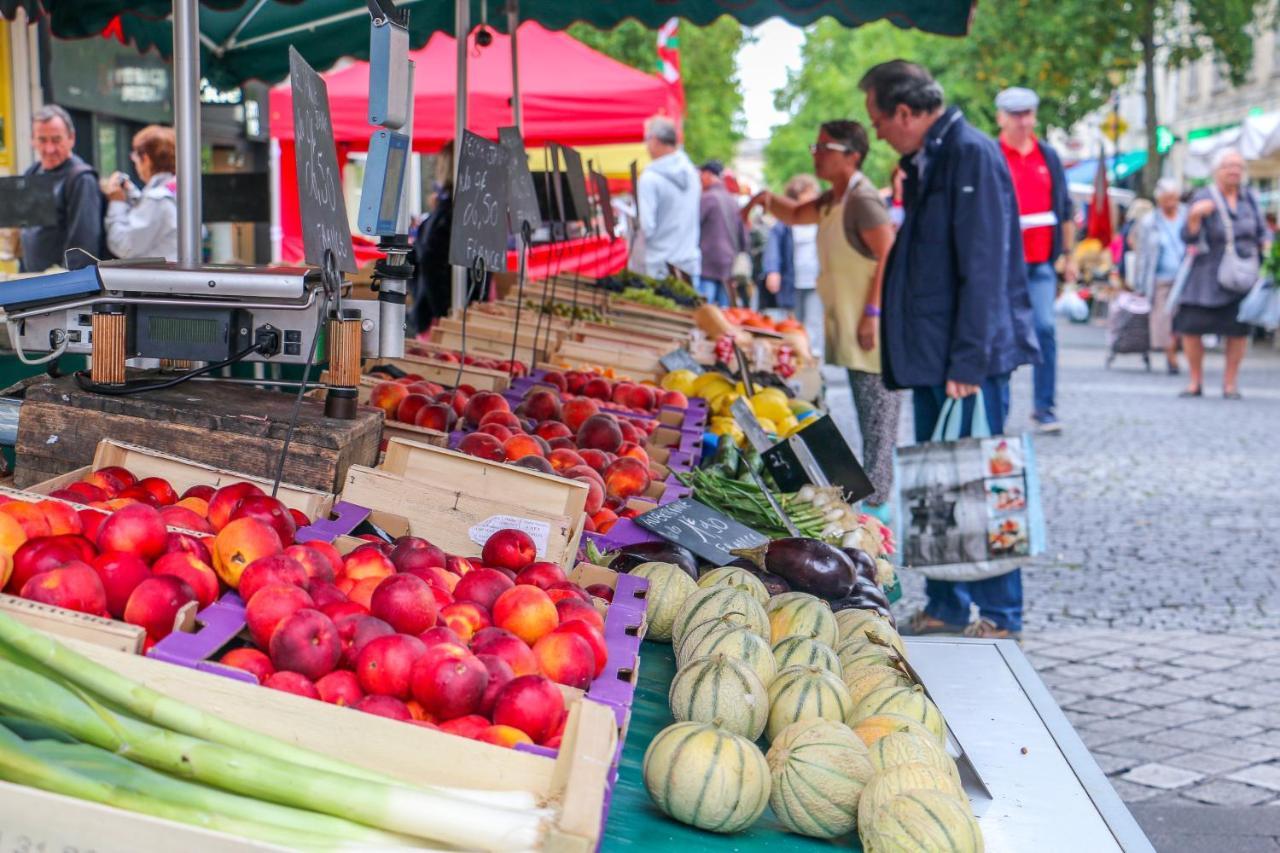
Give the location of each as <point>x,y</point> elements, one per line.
<point>471,646</point>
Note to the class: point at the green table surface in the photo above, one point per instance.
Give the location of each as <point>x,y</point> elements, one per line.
<point>635,822</point>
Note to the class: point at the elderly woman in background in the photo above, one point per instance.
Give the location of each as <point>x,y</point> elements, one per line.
<point>1160,250</point>
<point>143,223</point>
<point>791,263</point>
<point>1205,306</point>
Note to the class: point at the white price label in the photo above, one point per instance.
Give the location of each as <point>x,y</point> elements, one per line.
<point>539,531</point>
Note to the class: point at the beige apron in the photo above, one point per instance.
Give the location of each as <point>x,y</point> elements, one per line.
<point>844,282</point>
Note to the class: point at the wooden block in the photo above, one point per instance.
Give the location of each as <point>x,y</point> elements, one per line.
<point>226,425</point>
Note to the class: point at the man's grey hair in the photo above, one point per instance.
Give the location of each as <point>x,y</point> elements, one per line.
<point>1164,186</point>
<point>662,129</point>
<point>1221,155</point>
<point>51,111</point>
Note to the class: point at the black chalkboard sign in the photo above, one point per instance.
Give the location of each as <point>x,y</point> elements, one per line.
<point>823,443</point>
<point>680,359</point>
<point>709,534</point>
<point>480,205</point>
<point>577,184</point>
<point>606,202</point>
<point>522,198</point>
<point>324,210</point>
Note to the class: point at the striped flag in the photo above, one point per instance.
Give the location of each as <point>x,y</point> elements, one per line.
<point>1099,226</point>
<point>669,67</point>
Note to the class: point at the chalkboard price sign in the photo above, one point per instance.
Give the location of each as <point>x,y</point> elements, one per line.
<point>680,359</point>
<point>606,202</point>
<point>480,205</point>
<point>577,183</point>
<point>522,197</point>
<point>324,212</point>
<point>819,445</point>
<point>709,534</point>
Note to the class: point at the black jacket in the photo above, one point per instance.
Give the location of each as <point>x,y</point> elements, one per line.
<point>81,206</point>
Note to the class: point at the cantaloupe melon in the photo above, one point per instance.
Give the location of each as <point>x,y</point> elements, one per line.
<point>859,652</point>
<point>887,784</point>
<point>921,820</point>
<point>737,577</point>
<point>803,693</point>
<point>709,602</point>
<point>722,635</point>
<point>702,775</point>
<point>805,651</point>
<point>803,615</point>
<point>851,620</point>
<point>819,768</point>
<point>862,681</point>
<point>910,702</point>
<point>877,631</point>
<point>871,729</point>
<point>669,586</point>
<point>719,689</point>
<point>911,748</point>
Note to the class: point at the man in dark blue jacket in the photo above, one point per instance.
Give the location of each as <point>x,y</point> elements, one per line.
<point>956,313</point>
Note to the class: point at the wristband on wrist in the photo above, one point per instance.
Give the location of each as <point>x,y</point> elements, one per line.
<point>871,311</point>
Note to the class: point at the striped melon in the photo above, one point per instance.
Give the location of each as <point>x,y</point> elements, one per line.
<point>864,680</point>
<point>804,616</point>
<point>803,651</point>
<point>710,602</point>
<point>859,653</point>
<point>887,784</point>
<point>704,776</point>
<point>723,636</point>
<point>850,621</point>
<point>871,729</point>
<point>922,820</point>
<point>910,748</point>
<point>737,577</point>
<point>910,702</point>
<point>719,689</point>
<point>876,631</point>
<point>819,768</point>
<point>669,586</point>
<point>785,598</point>
<point>803,693</point>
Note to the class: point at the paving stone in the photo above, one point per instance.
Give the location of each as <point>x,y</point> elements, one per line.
<point>1260,775</point>
<point>1244,749</point>
<point>1220,727</point>
<point>1153,697</point>
<point>1167,717</point>
<point>1145,750</point>
<point>1191,688</point>
<point>1225,793</point>
<point>1162,776</point>
<point>1133,793</point>
<point>1206,763</point>
<point>1114,764</point>
<point>1187,739</point>
<point>1106,707</point>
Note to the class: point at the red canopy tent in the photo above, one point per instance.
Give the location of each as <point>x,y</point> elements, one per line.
<point>570,94</point>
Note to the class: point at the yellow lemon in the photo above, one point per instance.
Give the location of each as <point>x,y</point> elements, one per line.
<point>787,426</point>
<point>768,426</point>
<point>680,380</point>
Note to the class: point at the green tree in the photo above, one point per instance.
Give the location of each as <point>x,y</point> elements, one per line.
<point>714,121</point>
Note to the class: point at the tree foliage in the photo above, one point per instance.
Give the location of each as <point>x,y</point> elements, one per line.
<point>714,121</point>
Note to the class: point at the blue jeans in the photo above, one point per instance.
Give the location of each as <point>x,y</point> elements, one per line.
<point>713,291</point>
<point>1000,598</point>
<point>1042,285</point>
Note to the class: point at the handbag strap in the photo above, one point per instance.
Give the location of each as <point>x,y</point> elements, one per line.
<point>1227,224</point>
<point>951,420</point>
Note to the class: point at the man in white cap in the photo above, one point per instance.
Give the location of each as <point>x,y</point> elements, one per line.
<point>1048,231</point>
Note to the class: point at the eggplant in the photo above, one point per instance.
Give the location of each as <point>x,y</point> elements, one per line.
<point>871,590</point>
<point>627,558</point>
<point>775,584</point>
<point>865,562</point>
<point>858,602</point>
<point>808,565</point>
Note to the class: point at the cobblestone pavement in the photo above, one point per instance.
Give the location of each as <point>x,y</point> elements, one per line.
<point>1155,618</point>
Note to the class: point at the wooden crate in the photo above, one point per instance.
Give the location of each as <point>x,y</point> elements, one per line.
<point>441,495</point>
<point>182,474</point>
<point>390,428</point>
<point>444,373</point>
<point>226,425</point>
<point>574,783</point>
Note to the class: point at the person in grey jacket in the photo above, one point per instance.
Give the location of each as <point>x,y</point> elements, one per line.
<point>669,193</point>
<point>1158,242</point>
<point>76,196</point>
<point>144,223</point>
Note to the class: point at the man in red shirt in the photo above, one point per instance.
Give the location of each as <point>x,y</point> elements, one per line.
<point>1044,207</point>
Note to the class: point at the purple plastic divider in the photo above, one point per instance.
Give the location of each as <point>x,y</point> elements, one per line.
<point>219,623</point>
<point>343,518</point>
<point>455,438</point>
<point>691,444</point>
<point>678,460</point>
<point>623,533</point>
<point>622,622</point>
<point>674,492</point>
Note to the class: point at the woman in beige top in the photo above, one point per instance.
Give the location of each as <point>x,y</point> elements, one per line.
<point>854,238</point>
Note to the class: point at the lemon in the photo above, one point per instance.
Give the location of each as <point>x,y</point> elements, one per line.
<point>680,380</point>
<point>768,426</point>
<point>788,426</point>
<point>709,384</point>
<point>799,407</point>
<point>768,405</point>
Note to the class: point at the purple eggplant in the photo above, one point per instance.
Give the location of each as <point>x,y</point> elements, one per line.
<point>627,558</point>
<point>859,602</point>
<point>865,562</point>
<point>808,565</point>
<point>773,583</point>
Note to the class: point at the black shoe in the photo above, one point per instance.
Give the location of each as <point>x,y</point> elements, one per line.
<point>1231,395</point>
<point>1173,370</point>
<point>1199,392</point>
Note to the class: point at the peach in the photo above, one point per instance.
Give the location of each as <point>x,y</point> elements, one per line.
<point>181,516</point>
<point>436,577</point>
<point>314,563</point>
<point>541,405</point>
<point>197,574</point>
<point>470,726</point>
<point>270,512</point>
<point>535,463</point>
<point>405,602</point>
<point>62,518</point>
<point>596,590</point>
<point>556,378</point>
<point>329,552</point>
<point>12,535</point>
<point>482,445</point>
<point>385,665</point>
<point>499,674</point>
<point>73,586</point>
<point>594,459</point>
<point>270,606</point>
<point>600,432</point>
<point>620,391</point>
<point>626,477</point>
<point>449,687</point>
<point>91,519</point>
<point>408,408</point>
<point>509,548</point>
<point>367,562</point>
<point>270,570</point>
<point>340,687</point>
<point>520,446</point>
<point>549,430</point>
<point>437,416</point>
<point>361,592</point>
<point>384,706</point>
<point>527,612</point>
<point>251,661</point>
<point>502,417</point>
<point>641,397</point>
<point>585,471</point>
<point>201,491</point>
<point>574,609</point>
<point>225,500</point>
<point>388,396</point>
<point>44,553</point>
<point>324,594</point>
<point>566,658</point>
<point>576,412</point>
<point>300,519</point>
<point>567,589</point>
<point>530,703</point>
<point>562,459</point>
<point>456,400</point>
<point>635,451</point>
<point>337,609</point>
<point>120,575</point>
<point>675,399</point>
<point>87,493</point>
<point>459,566</point>
<point>239,544</point>
<point>412,552</point>
<point>604,519</point>
<point>595,495</point>
<point>160,489</point>
<point>441,634</point>
<point>154,604</point>
<point>498,431</point>
<point>506,645</point>
<point>136,529</point>
<point>594,637</point>
<point>307,643</point>
<point>598,388</point>
<point>481,404</point>
<point>112,479</point>
<point>292,682</point>
<point>29,516</point>
<point>541,574</point>
<point>196,545</point>
<point>483,586</point>
<point>355,631</point>
<point>465,618</point>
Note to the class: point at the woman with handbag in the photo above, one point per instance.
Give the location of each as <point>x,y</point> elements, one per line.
<point>1225,225</point>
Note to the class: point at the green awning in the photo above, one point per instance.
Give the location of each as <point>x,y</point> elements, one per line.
<point>246,40</point>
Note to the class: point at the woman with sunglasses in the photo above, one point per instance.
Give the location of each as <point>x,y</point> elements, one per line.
<point>854,238</point>
<point>144,223</point>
